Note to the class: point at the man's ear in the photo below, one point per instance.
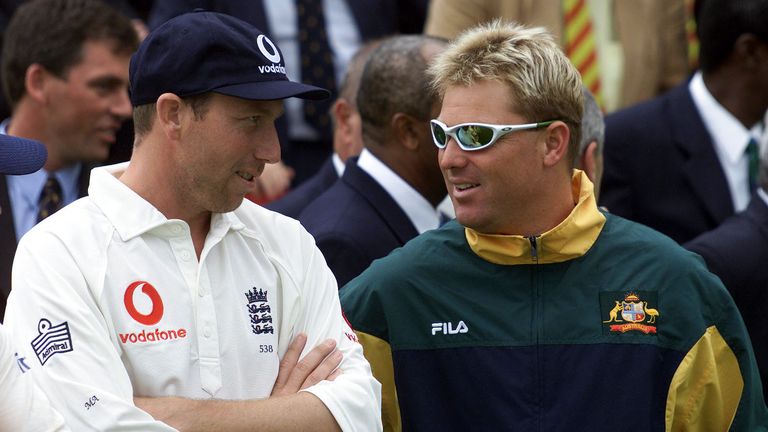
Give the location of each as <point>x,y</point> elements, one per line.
<point>405,130</point>
<point>36,82</point>
<point>588,161</point>
<point>169,116</point>
<point>342,111</point>
<point>556,138</point>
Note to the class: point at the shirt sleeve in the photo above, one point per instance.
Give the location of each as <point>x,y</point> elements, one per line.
<point>354,398</point>
<point>23,406</point>
<point>362,307</point>
<point>55,320</point>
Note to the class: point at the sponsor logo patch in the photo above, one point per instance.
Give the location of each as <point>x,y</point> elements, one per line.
<point>268,49</point>
<point>51,340</point>
<point>155,314</point>
<point>449,328</point>
<point>148,316</point>
<point>631,311</point>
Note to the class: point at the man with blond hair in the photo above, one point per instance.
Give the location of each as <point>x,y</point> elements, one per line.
<point>504,316</point>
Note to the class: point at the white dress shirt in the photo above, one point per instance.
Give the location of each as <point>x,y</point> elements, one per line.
<point>420,212</point>
<point>730,139</point>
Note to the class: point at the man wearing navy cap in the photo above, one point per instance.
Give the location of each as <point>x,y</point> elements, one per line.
<point>164,300</point>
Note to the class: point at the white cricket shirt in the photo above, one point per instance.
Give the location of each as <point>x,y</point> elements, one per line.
<point>23,407</point>
<point>111,301</point>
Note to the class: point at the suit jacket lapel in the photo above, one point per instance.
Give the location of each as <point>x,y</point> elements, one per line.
<point>757,212</point>
<point>380,201</point>
<point>702,168</point>
<point>83,179</point>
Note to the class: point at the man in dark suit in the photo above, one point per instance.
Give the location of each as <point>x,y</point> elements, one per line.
<point>679,163</point>
<point>737,251</point>
<point>388,195</point>
<point>65,74</point>
<point>347,140</point>
<point>348,24</point>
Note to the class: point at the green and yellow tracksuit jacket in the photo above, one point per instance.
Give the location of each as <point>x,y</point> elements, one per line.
<point>599,324</point>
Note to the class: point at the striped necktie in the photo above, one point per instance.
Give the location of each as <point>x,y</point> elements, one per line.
<point>580,45</point>
<point>690,34</point>
<point>50,198</point>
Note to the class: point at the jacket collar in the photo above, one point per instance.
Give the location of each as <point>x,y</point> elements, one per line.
<point>570,239</point>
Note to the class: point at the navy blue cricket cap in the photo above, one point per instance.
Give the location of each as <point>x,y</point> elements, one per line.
<point>202,51</point>
<point>20,155</point>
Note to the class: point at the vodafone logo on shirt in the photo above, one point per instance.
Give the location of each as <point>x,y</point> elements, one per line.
<point>149,313</point>
<point>155,315</point>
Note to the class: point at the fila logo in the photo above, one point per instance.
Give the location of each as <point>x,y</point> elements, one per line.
<point>448,328</point>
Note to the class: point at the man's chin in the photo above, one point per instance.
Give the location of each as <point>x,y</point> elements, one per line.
<point>229,206</point>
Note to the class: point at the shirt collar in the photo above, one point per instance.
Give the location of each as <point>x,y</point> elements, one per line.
<point>338,164</point>
<point>763,195</point>
<point>31,185</point>
<point>570,239</point>
<point>728,134</point>
<point>132,215</point>
<point>421,213</point>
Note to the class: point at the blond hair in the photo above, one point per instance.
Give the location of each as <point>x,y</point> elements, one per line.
<point>542,81</point>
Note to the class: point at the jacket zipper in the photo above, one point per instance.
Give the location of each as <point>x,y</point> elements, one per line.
<point>537,327</point>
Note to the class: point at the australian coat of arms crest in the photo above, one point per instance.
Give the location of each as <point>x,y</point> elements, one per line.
<point>632,314</point>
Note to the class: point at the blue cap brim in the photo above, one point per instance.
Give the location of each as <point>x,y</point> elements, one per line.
<point>20,155</point>
<point>274,90</point>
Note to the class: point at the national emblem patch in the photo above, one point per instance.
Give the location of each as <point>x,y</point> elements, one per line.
<point>629,311</point>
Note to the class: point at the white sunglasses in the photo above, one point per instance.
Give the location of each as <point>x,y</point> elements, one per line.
<point>476,136</point>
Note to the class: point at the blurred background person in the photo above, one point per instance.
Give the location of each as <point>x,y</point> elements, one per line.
<point>685,161</point>
<point>347,139</point>
<point>389,194</point>
<point>627,51</point>
<point>737,251</point>
<point>65,74</point>
<point>590,155</point>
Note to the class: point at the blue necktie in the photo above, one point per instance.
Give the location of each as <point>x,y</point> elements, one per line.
<point>316,63</point>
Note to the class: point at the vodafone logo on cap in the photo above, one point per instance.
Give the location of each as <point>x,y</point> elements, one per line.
<point>155,314</point>
<point>272,54</point>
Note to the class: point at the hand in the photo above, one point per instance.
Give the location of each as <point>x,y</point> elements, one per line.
<point>319,364</point>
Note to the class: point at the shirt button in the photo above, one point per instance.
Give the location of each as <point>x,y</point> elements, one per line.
<point>201,291</point>
<point>186,256</point>
<point>207,332</point>
<point>176,229</point>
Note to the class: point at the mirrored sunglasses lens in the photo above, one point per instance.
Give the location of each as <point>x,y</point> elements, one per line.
<point>439,134</point>
<point>475,136</point>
